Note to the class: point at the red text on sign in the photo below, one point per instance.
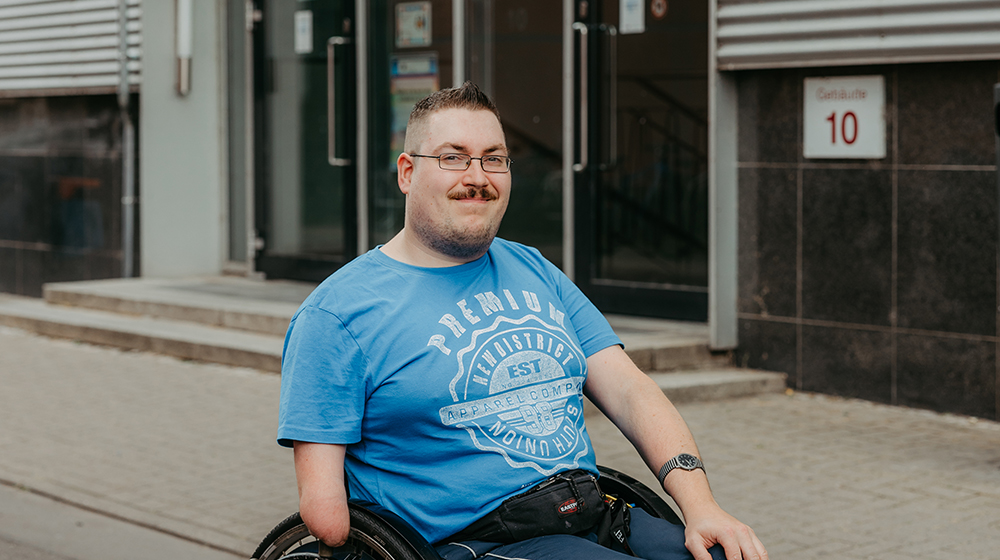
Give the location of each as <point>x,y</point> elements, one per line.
<point>848,139</point>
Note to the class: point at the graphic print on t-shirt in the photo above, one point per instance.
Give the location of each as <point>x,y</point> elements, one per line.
<point>518,386</point>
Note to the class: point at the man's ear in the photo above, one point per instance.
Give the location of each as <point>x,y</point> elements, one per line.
<point>404,172</point>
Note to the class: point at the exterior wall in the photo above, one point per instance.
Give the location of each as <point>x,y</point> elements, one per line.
<point>182,146</point>
<point>60,190</point>
<point>874,279</point>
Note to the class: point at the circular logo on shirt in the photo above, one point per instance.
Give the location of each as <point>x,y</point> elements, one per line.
<point>518,392</point>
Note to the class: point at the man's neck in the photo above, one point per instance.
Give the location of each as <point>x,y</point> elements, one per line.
<point>404,248</point>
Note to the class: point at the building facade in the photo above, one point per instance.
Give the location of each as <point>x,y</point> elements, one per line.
<point>673,157</point>
<point>874,274</point>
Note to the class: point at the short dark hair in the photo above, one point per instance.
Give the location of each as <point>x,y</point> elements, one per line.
<point>468,96</point>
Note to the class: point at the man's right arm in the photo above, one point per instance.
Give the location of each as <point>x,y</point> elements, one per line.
<point>319,470</point>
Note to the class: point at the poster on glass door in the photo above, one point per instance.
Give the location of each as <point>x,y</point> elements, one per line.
<point>412,77</point>
<point>632,16</point>
<point>413,24</point>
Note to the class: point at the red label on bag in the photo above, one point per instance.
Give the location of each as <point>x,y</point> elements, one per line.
<point>568,507</point>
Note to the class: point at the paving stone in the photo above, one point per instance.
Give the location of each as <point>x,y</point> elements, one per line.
<point>189,447</point>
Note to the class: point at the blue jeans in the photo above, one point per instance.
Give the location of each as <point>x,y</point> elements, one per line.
<point>652,539</point>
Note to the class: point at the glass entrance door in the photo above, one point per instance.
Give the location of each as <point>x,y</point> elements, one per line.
<point>642,181</point>
<point>306,195</point>
<point>411,55</point>
<point>515,55</point>
<point>512,49</point>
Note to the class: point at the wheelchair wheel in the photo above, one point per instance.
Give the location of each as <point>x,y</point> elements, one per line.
<point>369,539</point>
<point>635,492</point>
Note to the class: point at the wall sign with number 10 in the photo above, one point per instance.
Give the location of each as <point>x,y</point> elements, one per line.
<point>843,117</point>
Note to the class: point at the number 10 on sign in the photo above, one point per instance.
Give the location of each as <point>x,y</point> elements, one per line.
<point>844,117</point>
<point>846,136</point>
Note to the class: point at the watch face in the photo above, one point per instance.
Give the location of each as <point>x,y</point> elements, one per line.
<point>687,461</point>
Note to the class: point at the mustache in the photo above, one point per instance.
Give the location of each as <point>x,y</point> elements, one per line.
<point>473,192</point>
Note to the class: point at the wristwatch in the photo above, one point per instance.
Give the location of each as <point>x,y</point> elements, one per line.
<point>684,461</point>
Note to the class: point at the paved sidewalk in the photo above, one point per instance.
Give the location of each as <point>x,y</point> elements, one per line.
<point>189,448</point>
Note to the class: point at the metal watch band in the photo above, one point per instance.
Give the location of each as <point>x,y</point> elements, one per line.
<point>675,463</point>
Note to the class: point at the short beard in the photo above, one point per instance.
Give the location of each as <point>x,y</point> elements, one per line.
<point>446,239</point>
<point>464,246</point>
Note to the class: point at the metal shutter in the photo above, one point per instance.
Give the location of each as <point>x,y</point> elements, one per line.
<point>801,33</point>
<point>66,47</point>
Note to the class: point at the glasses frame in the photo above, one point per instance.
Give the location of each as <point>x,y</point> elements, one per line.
<point>468,162</point>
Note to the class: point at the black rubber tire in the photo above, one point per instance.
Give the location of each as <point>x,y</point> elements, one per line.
<point>369,539</point>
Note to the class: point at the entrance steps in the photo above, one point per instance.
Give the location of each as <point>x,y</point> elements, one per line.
<point>242,322</point>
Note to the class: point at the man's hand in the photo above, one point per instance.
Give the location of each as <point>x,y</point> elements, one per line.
<point>706,529</point>
<point>319,469</point>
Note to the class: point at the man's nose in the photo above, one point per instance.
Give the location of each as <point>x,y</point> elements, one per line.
<point>475,175</point>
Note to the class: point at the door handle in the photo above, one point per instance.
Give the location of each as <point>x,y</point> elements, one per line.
<point>331,103</point>
<point>584,132</point>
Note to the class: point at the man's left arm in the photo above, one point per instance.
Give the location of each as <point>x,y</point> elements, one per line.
<point>637,406</point>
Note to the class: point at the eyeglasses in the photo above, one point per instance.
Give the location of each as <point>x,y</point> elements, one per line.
<point>461,162</point>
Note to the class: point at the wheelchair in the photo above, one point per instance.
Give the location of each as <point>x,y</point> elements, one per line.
<point>377,534</point>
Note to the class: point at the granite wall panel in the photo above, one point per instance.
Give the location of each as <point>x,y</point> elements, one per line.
<point>768,124</point>
<point>948,251</point>
<point>947,374</point>
<point>767,237</point>
<point>847,362</point>
<point>847,245</point>
<point>946,113</point>
<point>768,345</point>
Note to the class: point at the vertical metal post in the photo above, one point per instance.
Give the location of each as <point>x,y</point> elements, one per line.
<point>458,42</point>
<point>361,69</point>
<point>128,146</point>
<point>996,129</point>
<point>252,15</point>
<point>723,213</point>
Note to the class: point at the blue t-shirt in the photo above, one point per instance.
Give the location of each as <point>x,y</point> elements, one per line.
<point>453,388</point>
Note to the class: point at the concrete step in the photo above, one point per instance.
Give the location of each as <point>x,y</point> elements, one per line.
<point>236,303</point>
<point>717,384</point>
<point>657,345</point>
<point>265,307</point>
<point>182,339</point>
<point>711,385</point>
<point>242,322</point>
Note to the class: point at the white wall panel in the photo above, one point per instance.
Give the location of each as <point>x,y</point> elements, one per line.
<point>71,46</point>
<point>802,33</point>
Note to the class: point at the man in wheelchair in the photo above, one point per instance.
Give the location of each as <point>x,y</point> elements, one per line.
<point>441,376</point>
